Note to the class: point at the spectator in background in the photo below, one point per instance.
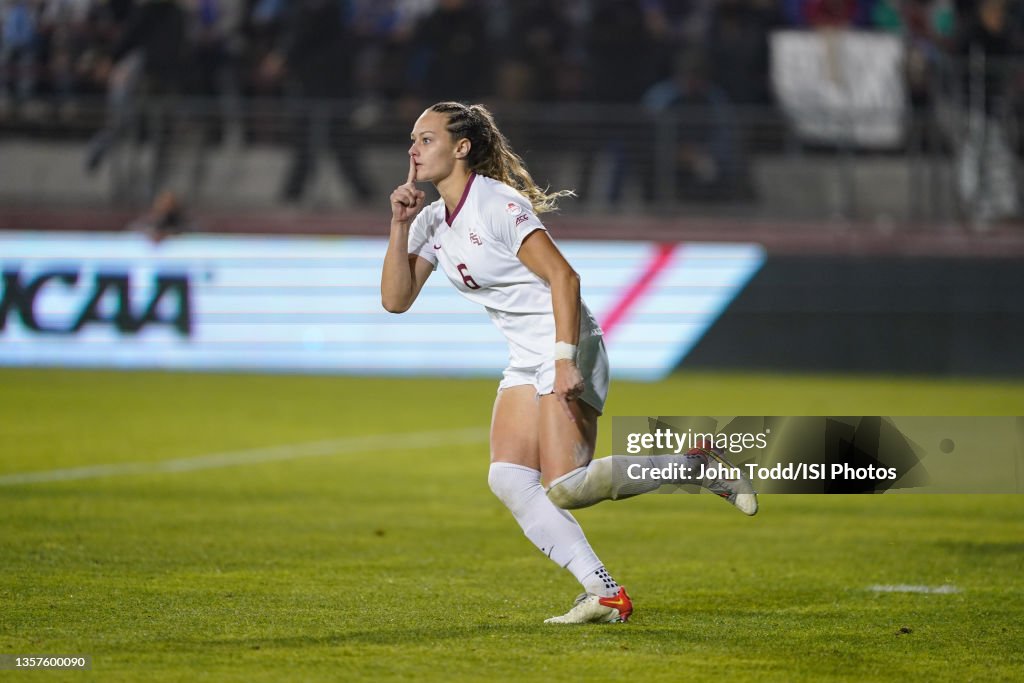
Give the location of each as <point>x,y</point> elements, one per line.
<point>707,162</point>
<point>828,13</point>
<point>63,35</point>
<point>262,31</point>
<point>675,25</point>
<point>155,36</point>
<point>103,26</point>
<point>19,50</point>
<point>450,54</point>
<point>116,12</point>
<point>148,60</point>
<point>617,40</point>
<point>831,13</point>
<point>533,50</point>
<point>737,48</point>
<point>534,41</point>
<point>382,43</point>
<point>216,44</point>
<point>986,166</point>
<point>148,69</point>
<point>157,29</point>
<point>385,30</point>
<point>315,61</point>
<point>925,26</point>
<point>120,79</point>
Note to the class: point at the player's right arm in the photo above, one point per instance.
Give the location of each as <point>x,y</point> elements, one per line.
<point>403,274</point>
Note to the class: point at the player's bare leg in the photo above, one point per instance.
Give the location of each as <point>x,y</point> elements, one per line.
<point>565,446</point>
<point>515,427</point>
<point>515,478</point>
<point>575,480</point>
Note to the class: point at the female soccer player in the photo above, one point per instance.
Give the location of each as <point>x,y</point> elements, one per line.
<point>485,234</point>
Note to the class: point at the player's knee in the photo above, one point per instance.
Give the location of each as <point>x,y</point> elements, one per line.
<point>569,491</point>
<point>510,482</point>
<point>564,497</point>
<point>496,482</point>
<point>584,486</point>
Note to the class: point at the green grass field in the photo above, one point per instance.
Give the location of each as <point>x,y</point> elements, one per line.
<point>392,560</point>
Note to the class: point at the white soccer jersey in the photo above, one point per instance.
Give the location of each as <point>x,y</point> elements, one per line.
<point>477,247</point>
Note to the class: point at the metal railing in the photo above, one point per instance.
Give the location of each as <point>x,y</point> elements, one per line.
<point>704,158</point>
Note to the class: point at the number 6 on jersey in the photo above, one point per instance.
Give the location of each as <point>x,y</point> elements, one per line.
<point>466,277</point>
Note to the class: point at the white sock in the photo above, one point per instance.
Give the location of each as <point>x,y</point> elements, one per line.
<point>551,529</point>
<point>607,479</point>
<point>601,582</point>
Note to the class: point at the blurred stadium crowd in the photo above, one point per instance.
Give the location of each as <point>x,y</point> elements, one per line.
<point>712,57</point>
<point>536,50</point>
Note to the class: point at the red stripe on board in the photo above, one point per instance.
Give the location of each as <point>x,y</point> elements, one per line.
<point>637,290</point>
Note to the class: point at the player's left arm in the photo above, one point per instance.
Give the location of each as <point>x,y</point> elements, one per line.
<point>539,254</point>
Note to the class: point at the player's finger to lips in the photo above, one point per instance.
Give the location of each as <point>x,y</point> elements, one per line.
<point>412,171</point>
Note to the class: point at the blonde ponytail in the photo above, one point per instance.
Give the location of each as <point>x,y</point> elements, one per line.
<point>491,155</point>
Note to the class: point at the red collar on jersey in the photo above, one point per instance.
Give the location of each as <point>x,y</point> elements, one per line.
<point>449,219</point>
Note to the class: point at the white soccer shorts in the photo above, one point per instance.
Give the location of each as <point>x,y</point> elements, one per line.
<point>592,361</point>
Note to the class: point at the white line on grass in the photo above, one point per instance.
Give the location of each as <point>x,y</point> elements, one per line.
<point>316,449</point>
<point>909,588</point>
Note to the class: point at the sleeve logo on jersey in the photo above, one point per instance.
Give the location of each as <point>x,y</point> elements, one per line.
<point>513,209</point>
<point>522,218</point>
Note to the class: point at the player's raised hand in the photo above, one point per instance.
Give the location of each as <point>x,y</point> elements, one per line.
<point>406,200</point>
